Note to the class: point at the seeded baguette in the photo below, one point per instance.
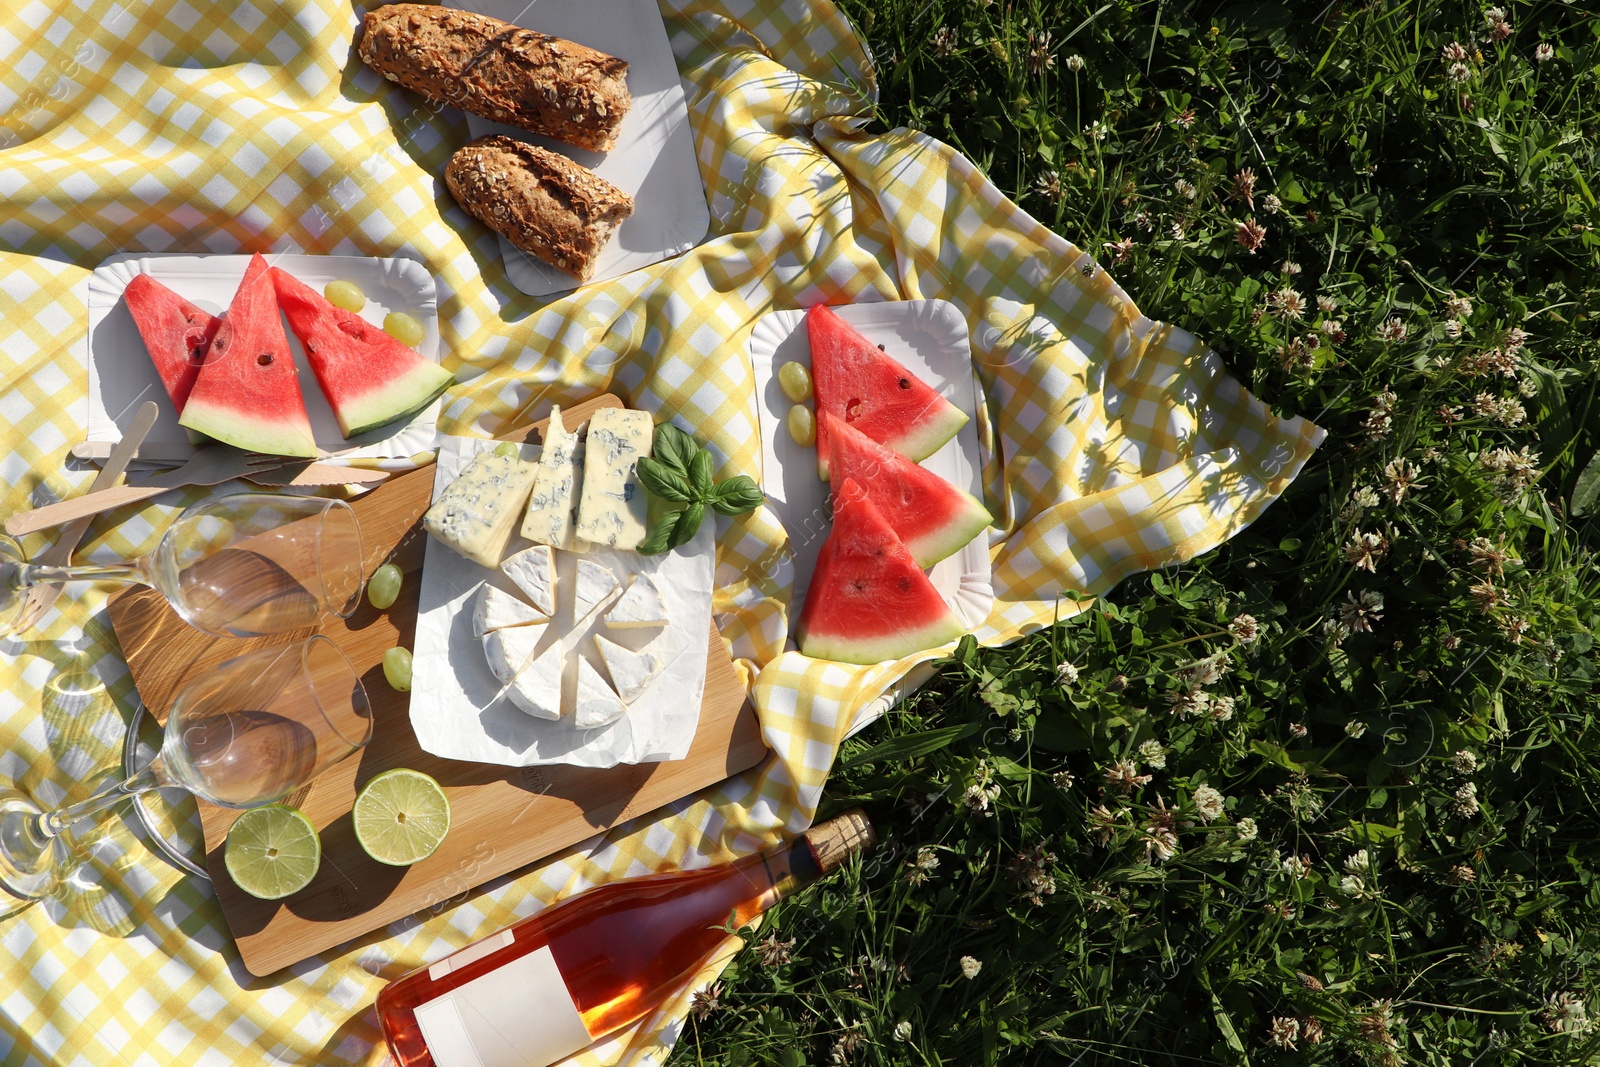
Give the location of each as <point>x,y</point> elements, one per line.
<point>543,84</point>
<point>542,202</point>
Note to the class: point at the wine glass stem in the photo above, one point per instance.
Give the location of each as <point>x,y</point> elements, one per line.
<point>41,574</point>
<point>54,823</point>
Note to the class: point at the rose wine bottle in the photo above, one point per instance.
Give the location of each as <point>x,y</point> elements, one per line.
<point>551,984</point>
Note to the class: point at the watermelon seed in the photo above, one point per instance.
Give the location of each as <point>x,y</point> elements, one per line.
<point>882,349</point>
<point>264,358</point>
<point>905,383</point>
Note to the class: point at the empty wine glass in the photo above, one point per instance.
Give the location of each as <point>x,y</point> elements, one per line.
<point>245,733</point>
<point>239,566</point>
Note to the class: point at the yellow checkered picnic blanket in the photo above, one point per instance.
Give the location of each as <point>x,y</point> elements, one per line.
<point>1113,443</point>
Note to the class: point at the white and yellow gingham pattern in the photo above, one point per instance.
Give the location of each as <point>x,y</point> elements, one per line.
<point>1114,444</point>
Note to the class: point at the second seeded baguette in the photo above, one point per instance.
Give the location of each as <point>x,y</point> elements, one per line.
<point>542,202</point>
<point>530,80</point>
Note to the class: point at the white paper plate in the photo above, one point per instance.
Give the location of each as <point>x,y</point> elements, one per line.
<point>121,375</point>
<point>929,338</point>
<point>453,710</point>
<point>653,161</point>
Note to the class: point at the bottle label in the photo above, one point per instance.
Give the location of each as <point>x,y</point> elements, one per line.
<point>517,1015</point>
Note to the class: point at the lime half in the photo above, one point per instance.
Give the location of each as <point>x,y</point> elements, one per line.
<point>401,816</point>
<point>273,851</point>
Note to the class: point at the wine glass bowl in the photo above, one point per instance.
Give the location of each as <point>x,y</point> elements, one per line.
<point>246,732</point>
<point>246,565</point>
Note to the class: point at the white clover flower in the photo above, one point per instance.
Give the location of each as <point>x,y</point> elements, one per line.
<point>1221,709</point>
<point>970,967</point>
<point>1452,328</point>
<point>1074,63</point>
<point>1244,629</point>
<point>902,1030</point>
<point>1066,674</point>
<point>1544,53</point>
<point>1152,753</point>
<point>1184,188</point>
<point>1367,497</point>
<point>1358,861</point>
<point>1352,885</point>
<point>1466,801</point>
<point>1296,867</point>
<point>1355,728</point>
<point>1208,803</point>
<point>1464,761</point>
<point>1246,830</point>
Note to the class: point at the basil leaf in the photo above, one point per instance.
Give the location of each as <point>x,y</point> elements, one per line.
<point>737,495</point>
<point>688,522</point>
<point>700,476</point>
<point>658,541</point>
<point>674,448</point>
<point>663,481</point>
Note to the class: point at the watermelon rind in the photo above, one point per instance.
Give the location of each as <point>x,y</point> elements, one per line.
<point>369,378</point>
<point>915,423</point>
<point>869,601</point>
<point>932,517</point>
<point>247,393</point>
<point>253,433</point>
<point>398,399</point>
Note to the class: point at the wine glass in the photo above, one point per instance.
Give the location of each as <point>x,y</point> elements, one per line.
<point>247,732</point>
<point>239,566</point>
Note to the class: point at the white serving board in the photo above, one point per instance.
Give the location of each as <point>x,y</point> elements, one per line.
<point>121,375</point>
<point>928,338</point>
<point>654,158</point>
<point>453,707</point>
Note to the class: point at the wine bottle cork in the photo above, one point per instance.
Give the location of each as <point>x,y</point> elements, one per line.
<point>835,841</point>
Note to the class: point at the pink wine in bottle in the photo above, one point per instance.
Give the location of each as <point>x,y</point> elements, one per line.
<point>551,984</point>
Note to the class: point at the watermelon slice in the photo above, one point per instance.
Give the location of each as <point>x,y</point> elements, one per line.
<point>368,377</point>
<point>176,333</point>
<point>247,393</point>
<point>859,383</point>
<point>869,601</point>
<point>932,517</point>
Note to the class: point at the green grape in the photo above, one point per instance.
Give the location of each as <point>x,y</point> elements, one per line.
<point>403,328</point>
<point>397,669</point>
<point>347,295</point>
<point>506,450</point>
<point>802,426</point>
<point>795,381</point>
<point>384,586</point>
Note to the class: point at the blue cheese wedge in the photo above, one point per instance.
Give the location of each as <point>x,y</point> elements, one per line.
<point>631,672</point>
<point>510,649</point>
<point>640,606</point>
<point>592,585</point>
<point>597,704</point>
<point>536,688</point>
<point>496,609</point>
<point>534,571</point>
<point>476,514</point>
<point>549,520</point>
<point>612,508</point>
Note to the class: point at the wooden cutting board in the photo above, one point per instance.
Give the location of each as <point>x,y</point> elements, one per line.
<point>502,818</point>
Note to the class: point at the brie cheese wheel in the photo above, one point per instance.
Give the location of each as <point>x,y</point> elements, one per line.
<point>537,688</point>
<point>631,672</point>
<point>495,608</point>
<point>550,518</point>
<point>597,703</point>
<point>640,606</point>
<point>510,649</point>
<point>593,585</point>
<point>534,571</point>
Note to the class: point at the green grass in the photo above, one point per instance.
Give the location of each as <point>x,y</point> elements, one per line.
<point>1421,779</point>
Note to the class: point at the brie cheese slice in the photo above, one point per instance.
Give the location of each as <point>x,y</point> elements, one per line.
<point>537,688</point>
<point>593,584</point>
<point>510,649</point>
<point>495,608</point>
<point>597,704</point>
<point>631,672</point>
<point>534,571</point>
<point>641,605</point>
